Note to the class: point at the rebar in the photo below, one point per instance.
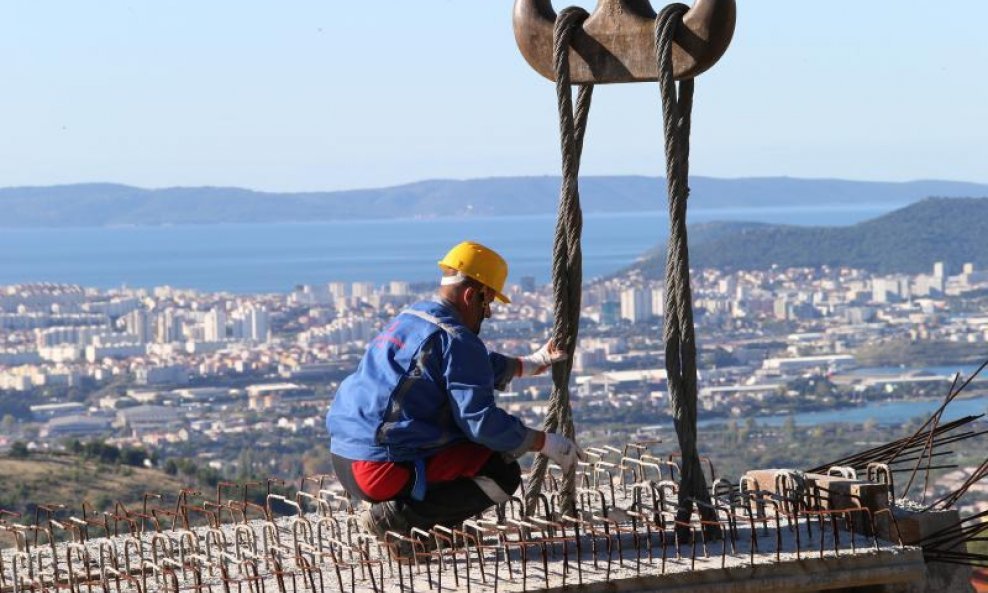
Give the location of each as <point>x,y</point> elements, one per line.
<point>625,525</point>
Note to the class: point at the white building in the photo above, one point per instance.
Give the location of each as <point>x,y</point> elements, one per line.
<point>48,411</point>
<point>635,304</point>
<point>658,302</point>
<point>75,426</point>
<point>168,327</point>
<point>96,353</point>
<point>138,323</point>
<point>174,374</point>
<point>115,307</point>
<point>307,294</point>
<point>338,290</point>
<point>258,325</point>
<point>214,326</point>
<point>60,353</point>
<point>890,289</point>
<point>142,419</point>
<point>363,290</point>
<point>833,362</point>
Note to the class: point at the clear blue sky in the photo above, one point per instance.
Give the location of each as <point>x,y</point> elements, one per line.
<point>326,94</point>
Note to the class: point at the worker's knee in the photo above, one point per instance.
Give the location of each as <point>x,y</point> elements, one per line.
<point>507,474</point>
<point>498,479</point>
<point>512,477</point>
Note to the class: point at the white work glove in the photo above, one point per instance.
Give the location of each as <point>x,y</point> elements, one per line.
<point>561,450</point>
<point>537,362</point>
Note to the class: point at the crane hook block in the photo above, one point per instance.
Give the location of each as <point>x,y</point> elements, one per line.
<point>617,42</point>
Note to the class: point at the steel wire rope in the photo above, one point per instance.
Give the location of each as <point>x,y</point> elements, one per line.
<point>678,329</point>
<point>567,275</point>
<point>567,259</point>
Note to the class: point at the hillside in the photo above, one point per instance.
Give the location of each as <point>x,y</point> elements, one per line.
<point>103,204</point>
<point>70,480</point>
<point>907,240</point>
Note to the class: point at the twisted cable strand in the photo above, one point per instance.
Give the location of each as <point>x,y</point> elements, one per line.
<point>567,260</point>
<point>677,105</point>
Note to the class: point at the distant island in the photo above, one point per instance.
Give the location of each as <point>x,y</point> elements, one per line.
<point>908,240</point>
<point>104,204</point>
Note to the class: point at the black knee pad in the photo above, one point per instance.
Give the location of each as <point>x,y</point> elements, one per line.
<point>513,476</point>
<point>507,474</point>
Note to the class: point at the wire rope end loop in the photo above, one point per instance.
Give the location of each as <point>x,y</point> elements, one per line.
<point>569,21</point>
<point>617,41</point>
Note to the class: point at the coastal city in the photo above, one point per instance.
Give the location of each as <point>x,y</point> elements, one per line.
<point>493,297</point>
<point>231,379</point>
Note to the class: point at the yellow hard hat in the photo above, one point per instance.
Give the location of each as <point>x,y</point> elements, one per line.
<point>481,263</point>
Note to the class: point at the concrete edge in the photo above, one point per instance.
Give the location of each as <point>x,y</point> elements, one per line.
<point>797,576</point>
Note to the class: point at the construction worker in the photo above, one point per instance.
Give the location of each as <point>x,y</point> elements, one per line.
<point>415,430</point>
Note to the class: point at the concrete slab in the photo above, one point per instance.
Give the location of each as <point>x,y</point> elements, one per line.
<point>800,558</point>
<point>828,574</point>
<point>628,546</point>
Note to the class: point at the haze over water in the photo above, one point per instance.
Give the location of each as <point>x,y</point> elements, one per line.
<point>247,258</point>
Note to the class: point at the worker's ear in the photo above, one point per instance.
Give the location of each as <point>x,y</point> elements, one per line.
<point>471,295</point>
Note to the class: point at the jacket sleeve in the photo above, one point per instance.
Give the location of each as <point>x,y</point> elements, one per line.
<point>505,369</point>
<point>470,381</point>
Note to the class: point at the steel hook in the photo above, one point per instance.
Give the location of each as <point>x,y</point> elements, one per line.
<point>617,41</point>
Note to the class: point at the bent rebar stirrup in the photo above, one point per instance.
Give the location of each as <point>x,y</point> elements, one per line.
<point>626,41</point>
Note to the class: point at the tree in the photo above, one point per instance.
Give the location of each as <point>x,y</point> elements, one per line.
<point>101,451</point>
<point>789,427</point>
<point>133,457</point>
<point>732,435</point>
<point>18,450</point>
<point>750,426</point>
<point>208,475</point>
<point>187,467</point>
<point>245,464</point>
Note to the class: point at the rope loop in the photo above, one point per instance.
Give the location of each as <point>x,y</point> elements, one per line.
<point>678,329</point>
<point>567,258</point>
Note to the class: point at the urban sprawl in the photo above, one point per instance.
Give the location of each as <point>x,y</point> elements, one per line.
<point>169,369</point>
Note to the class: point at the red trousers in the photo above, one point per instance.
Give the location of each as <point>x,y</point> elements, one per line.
<point>386,480</point>
<point>462,480</point>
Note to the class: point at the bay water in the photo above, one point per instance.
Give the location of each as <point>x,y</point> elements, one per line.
<point>889,413</point>
<point>254,258</point>
<point>892,412</point>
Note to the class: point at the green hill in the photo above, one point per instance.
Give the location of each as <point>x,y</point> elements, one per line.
<point>952,230</point>
<point>70,480</point>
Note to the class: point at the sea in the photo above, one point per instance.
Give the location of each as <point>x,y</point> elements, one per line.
<point>276,257</point>
<point>887,413</point>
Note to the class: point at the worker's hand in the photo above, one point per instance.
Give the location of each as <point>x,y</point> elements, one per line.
<point>562,450</point>
<point>537,362</point>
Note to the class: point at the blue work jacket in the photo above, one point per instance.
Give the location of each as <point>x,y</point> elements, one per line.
<point>425,382</point>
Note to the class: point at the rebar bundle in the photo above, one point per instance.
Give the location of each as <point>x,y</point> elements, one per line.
<point>948,545</point>
<point>924,444</point>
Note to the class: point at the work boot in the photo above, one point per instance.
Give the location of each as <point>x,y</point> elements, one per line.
<point>383,517</point>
